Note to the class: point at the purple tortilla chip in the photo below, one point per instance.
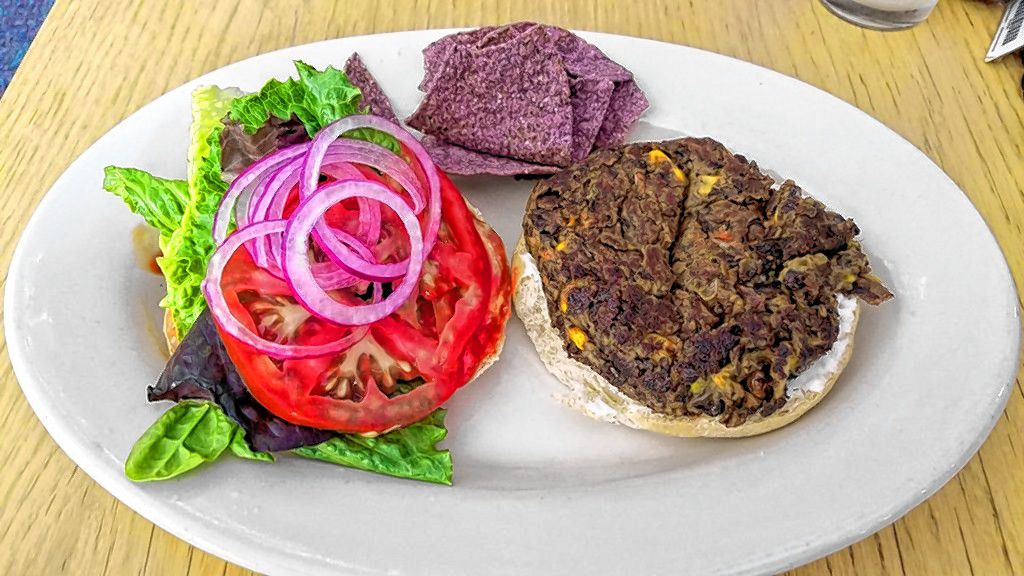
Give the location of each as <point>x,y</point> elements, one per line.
<point>458,160</point>
<point>491,91</point>
<point>509,100</point>
<point>627,104</point>
<point>583,59</point>
<point>504,34</point>
<point>373,96</point>
<point>436,54</point>
<point>590,100</point>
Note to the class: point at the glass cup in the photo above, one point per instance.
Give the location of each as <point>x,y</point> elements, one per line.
<point>882,14</point>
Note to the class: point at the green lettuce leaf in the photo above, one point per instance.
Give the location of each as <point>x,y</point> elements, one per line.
<point>191,245</point>
<point>184,437</point>
<point>159,201</point>
<point>192,433</point>
<point>316,98</point>
<point>240,447</point>
<point>410,452</point>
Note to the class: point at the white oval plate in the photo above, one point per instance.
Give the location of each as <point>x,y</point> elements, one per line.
<point>538,488</point>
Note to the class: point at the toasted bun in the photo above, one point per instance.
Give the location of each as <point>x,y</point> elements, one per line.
<point>170,332</point>
<point>589,392</point>
<point>489,360</point>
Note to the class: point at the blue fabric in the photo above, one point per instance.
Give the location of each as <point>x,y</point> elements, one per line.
<point>19,22</point>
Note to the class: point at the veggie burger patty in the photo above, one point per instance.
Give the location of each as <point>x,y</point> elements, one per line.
<point>682,276</point>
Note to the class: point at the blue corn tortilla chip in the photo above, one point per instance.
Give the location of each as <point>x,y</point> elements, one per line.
<point>511,99</point>
<point>503,34</point>
<point>584,60</point>
<point>487,95</point>
<point>458,160</point>
<point>589,100</point>
<point>627,104</point>
<point>435,55</point>
<point>581,58</point>
<point>373,96</point>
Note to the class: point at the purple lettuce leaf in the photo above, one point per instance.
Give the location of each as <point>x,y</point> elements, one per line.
<point>201,370</point>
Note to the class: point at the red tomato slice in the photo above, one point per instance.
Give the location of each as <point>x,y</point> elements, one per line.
<point>409,363</point>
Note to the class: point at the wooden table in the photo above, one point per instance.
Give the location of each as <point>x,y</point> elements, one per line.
<point>97,61</point>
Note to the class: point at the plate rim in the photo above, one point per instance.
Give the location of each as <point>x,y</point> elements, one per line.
<point>272,561</point>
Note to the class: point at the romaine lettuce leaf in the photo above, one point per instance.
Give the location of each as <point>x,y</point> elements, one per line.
<point>159,201</point>
<point>409,452</point>
<point>191,245</point>
<point>316,98</point>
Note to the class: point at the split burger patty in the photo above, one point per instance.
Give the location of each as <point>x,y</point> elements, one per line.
<point>682,276</point>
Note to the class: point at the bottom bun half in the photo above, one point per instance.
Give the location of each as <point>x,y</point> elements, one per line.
<point>589,392</point>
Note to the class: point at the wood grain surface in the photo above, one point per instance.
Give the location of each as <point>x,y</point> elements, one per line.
<point>96,61</point>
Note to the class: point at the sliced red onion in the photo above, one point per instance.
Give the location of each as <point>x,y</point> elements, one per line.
<point>311,171</point>
<point>331,277</point>
<point>280,246</point>
<point>380,159</point>
<point>267,250</point>
<point>273,187</point>
<point>244,184</point>
<point>331,132</point>
<point>214,293</point>
<point>298,268</point>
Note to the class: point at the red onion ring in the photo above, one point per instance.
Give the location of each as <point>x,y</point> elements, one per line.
<point>297,267</point>
<point>280,246</point>
<point>270,206</point>
<point>245,182</point>
<point>311,175</point>
<point>214,293</point>
<point>369,215</point>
